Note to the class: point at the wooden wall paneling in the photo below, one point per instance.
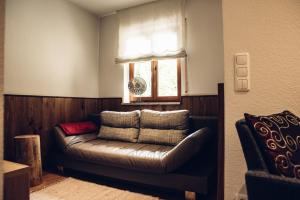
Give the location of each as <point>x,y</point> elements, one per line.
<point>24,117</point>
<point>185,102</point>
<point>38,114</point>
<point>90,106</point>
<point>118,104</point>
<point>221,141</point>
<point>53,112</point>
<point>59,109</point>
<point>73,109</point>
<point>9,126</point>
<point>200,106</point>
<point>99,105</point>
<point>33,108</point>
<point>170,107</point>
<point>50,117</point>
<point>213,105</point>
<point>197,105</point>
<point>107,104</point>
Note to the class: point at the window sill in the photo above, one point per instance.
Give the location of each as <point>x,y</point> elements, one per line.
<point>150,103</point>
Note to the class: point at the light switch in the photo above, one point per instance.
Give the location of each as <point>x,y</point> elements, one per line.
<point>240,84</point>
<point>245,84</point>
<point>242,71</point>
<point>241,59</point>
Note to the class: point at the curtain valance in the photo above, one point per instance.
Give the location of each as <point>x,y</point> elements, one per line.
<point>152,31</point>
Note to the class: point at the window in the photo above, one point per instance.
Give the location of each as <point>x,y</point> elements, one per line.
<point>153,32</point>
<point>163,79</point>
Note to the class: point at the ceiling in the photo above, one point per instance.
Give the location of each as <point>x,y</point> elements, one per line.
<point>105,7</point>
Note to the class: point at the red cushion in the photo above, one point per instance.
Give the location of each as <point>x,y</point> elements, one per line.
<point>77,128</point>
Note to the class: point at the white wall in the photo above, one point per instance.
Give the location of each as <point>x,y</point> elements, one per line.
<point>204,48</point>
<point>270,31</point>
<point>110,74</point>
<point>51,48</point>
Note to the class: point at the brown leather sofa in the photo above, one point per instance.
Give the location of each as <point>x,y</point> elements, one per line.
<point>189,165</point>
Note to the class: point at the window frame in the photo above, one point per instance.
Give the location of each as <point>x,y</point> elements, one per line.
<point>154,80</point>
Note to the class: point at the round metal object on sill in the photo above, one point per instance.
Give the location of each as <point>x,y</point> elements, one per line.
<point>137,86</point>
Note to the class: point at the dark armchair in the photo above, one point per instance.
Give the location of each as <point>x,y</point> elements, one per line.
<point>260,183</point>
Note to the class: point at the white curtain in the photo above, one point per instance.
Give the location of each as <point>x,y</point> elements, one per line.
<point>154,30</point>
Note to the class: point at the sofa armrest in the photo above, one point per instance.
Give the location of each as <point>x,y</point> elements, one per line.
<point>186,149</point>
<point>64,141</point>
<point>262,185</point>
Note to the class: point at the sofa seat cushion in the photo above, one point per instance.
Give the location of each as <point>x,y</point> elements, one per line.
<point>63,141</point>
<point>135,156</point>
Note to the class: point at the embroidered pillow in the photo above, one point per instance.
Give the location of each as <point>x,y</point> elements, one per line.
<point>278,137</point>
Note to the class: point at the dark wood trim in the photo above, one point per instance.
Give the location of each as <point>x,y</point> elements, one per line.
<point>221,140</point>
<point>179,77</point>
<point>154,79</point>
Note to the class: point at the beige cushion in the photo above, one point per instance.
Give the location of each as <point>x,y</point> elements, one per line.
<point>123,126</point>
<point>121,119</point>
<point>123,134</point>
<point>177,119</point>
<point>157,136</point>
<point>167,127</point>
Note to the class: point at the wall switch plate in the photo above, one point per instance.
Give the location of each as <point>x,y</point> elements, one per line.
<point>242,72</point>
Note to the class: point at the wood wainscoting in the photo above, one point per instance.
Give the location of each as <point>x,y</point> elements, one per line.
<point>39,114</point>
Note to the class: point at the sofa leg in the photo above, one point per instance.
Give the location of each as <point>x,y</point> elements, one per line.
<point>190,195</point>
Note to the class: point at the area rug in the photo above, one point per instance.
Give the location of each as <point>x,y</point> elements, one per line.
<point>74,189</point>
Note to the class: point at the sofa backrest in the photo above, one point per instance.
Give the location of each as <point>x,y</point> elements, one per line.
<point>163,127</point>
<point>183,122</point>
<point>123,126</point>
<point>195,122</point>
<point>252,152</point>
